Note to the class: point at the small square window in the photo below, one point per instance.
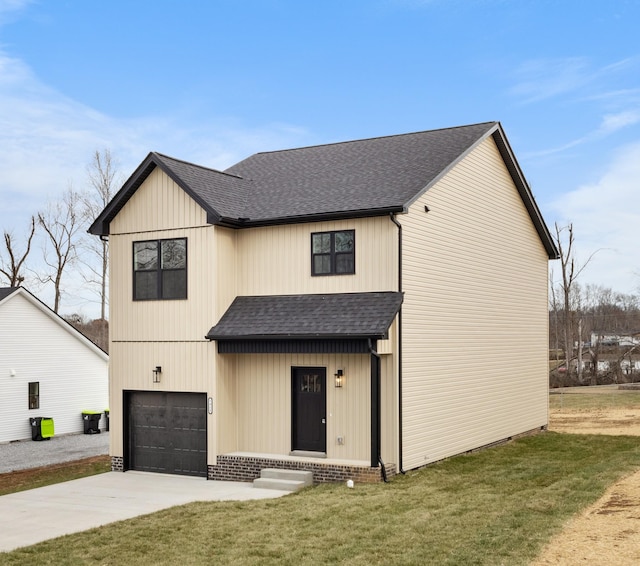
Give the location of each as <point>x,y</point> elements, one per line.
<point>160,269</point>
<point>333,253</point>
<point>34,395</point>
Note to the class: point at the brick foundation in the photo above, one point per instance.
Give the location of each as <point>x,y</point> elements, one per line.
<point>117,464</point>
<point>247,468</point>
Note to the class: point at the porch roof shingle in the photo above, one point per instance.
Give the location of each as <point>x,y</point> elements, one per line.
<point>340,315</point>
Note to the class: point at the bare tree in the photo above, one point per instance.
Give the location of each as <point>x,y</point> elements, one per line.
<point>12,265</point>
<point>570,270</point>
<point>103,177</point>
<point>60,222</point>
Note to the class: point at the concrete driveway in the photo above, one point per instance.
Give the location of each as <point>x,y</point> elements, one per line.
<point>82,504</point>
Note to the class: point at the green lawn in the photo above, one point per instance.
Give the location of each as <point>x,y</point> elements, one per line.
<point>584,398</point>
<point>39,477</point>
<point>497,506</point>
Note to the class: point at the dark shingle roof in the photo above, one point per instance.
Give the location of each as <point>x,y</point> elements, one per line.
<point>383,173</point>
<point>342,180</point>
<point>222,192</point>
<point>364,177</point>
<point>342,315</point>
<point>6,291</point>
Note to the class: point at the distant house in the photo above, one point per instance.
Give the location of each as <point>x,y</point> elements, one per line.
<point>47,368</point>
<point>351,308</point>
<point>624,339</point>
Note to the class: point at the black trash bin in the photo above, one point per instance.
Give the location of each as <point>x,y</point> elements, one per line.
<point>106,416</point>
<point>91,420</point>
<point>41,428</point>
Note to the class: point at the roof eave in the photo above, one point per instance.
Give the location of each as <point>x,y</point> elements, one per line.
<point>343,336</point>
<point>500,139</point>
<point>100,226</point>
<point>526,194</point>
<point>303,218</point>
<point>59,321</point>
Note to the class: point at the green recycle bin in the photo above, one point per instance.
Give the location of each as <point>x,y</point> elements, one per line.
<point>41,428</point>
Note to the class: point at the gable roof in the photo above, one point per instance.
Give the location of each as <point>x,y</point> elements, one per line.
<point>369,177</point>
<point>339,315</point>
<point>6,291</point>
<point>8,294</point>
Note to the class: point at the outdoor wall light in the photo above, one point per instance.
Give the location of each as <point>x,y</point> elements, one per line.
<point>156,374</point>
<point>339,375</point>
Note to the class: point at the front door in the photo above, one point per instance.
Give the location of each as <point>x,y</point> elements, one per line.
<point>309,410</point>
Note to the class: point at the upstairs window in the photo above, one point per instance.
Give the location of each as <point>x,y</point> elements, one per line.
<point>333,253</point>
<point>160,270</point>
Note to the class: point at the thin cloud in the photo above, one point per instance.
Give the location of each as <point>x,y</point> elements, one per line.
<point>605,215</point>
<point>610,124</point>
<point>10,8</point>
<point>541,79</point>
<point>47,139</point>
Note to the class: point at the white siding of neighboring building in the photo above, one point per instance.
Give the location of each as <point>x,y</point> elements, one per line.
<point>72,373</point>
<point>474,314</point>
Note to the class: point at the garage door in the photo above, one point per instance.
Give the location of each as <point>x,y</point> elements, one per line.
<point>167,432</point>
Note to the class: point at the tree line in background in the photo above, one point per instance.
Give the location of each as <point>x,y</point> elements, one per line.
<point>60,230</point>
<point>594,332</point>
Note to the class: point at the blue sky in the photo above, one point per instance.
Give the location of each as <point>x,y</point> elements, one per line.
<point>215,81</point>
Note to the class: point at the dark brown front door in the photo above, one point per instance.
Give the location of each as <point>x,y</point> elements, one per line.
<point>309,413</point>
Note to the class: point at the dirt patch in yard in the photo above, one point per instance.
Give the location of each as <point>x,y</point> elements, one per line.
<point>596,421</point>
<point>608,532</point>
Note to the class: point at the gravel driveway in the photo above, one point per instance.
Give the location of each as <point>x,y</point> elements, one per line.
<point>33,454</point>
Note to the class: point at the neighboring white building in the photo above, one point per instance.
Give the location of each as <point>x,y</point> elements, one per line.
<point>613,339</point>
<point>47,368</point>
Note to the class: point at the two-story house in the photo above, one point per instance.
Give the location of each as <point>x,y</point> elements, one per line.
<point>355,309</point>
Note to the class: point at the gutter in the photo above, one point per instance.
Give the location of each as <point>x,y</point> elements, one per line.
<point>400,466</point>
<point>376,411</point>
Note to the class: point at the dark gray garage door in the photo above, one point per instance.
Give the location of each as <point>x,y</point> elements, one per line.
<point>167,432</point>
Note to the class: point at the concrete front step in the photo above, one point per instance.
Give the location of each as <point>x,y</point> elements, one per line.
<point>285,480</point>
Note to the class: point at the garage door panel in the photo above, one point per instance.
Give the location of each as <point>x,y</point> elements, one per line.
<point>168,432</point>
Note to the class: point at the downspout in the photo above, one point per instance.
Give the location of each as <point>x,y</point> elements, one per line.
<point>392,216</point>
<point>376,428</point>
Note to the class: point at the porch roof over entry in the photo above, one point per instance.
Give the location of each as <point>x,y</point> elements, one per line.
<point>305,317</point>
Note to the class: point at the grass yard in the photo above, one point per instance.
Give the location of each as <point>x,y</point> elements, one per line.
<point>593,398</point>
<point>39,477</point>
<point>497,506</point>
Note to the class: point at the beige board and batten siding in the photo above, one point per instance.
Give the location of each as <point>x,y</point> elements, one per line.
<point>186,367</point>
<point>260,394</point>
<point>474,314</point>
<point>170,333</point>
<point>160,209</point>
<point>276,260</point>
